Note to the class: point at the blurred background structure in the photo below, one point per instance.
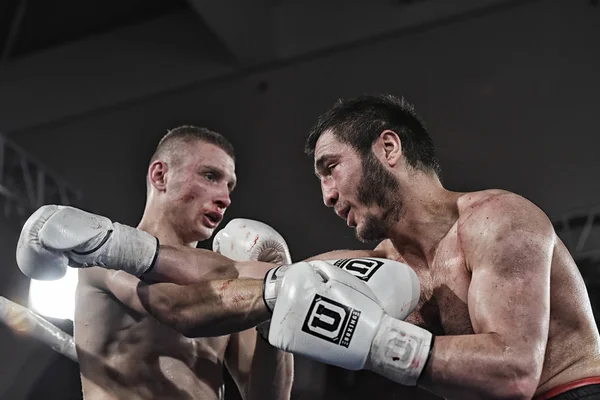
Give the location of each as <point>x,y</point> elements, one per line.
<point>509,91</point>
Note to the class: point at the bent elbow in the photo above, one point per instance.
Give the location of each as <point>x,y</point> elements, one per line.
<point>520,383</point>
<point>522,388</point>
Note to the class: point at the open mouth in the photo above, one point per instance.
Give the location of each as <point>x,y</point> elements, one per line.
<point>214,217</point>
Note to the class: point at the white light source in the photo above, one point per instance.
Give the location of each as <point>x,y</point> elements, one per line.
<point>54,299</point>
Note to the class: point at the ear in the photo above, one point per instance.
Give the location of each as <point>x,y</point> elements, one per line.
<point>157,175</point>
<point>389,148</point>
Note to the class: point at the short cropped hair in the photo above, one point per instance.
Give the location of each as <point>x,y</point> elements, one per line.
<point>187,134</point>
<point>359,122</point>
<point>170,145</point>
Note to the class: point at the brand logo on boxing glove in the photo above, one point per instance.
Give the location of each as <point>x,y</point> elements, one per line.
<point>362,268</point>
<point>331,321</point>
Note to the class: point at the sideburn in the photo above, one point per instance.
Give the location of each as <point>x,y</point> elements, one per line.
<point>378,187</point>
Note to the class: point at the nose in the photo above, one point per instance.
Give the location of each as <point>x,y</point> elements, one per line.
<point>223,200</point>
<point>330,193</point>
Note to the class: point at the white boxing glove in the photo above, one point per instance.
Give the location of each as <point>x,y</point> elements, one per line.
<point>249,240</point>
<point>55,237</point>
<point>333,317</point>
<point>385,278</point>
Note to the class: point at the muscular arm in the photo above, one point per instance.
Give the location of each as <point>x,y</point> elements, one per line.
<point>187,265</point>
<point>205,299</point>
<point>260,370</point>
<point>508,245</point>
<point>207,308</point>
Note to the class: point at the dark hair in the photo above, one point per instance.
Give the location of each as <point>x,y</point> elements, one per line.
<point>359,122</point>
<point>187,134</point>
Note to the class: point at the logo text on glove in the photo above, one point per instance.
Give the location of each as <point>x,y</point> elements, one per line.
<point>331,321</point>
<point>362,268</point>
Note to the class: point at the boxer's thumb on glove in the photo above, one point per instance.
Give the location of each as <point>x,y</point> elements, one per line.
<point>216,245</point>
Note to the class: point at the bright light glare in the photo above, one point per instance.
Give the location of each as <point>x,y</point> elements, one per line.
<point>54,299</point>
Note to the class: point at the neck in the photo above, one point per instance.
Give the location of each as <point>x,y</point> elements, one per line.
<point>429,211</point>
<point>156,223</point>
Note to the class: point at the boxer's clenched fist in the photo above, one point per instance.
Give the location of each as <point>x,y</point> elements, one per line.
<point>381,275</point>
<point>384,276</point>
<point>55,237</point>
<point>249,240</point>
<point>333,317</point>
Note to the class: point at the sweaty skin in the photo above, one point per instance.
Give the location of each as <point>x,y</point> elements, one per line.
<point>500,292</point>
<point>502,295</point>
<point>501,271</point>
<point>124,353</point>
<point>128,353</point>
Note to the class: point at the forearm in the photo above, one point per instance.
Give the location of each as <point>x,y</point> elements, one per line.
<point>211,308</point>
<point>271,374</point>
<point>186,265</point>
<point>479,364</point>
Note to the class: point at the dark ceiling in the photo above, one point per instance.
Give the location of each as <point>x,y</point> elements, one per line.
<point>31,26</point>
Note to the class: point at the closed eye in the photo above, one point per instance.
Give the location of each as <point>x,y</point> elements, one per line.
<point>329,169</point>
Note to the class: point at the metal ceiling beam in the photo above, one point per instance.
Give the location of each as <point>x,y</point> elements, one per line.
<point>26,184</point>
<point>13,33</point>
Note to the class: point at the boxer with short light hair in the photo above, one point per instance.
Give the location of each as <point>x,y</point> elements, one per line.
<point>124,354</point>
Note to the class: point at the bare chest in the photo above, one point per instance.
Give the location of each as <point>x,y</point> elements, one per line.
<point>165,351</point>
<point>443,307</point>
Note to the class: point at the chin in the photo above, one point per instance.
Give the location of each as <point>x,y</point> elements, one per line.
<point>203,233</point>
<point>371,232</point>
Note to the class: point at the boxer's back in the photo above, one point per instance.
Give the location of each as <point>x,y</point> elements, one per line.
<point>124,355</point>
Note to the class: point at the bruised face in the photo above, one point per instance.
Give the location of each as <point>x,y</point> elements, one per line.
<point>198,184</point>
<point>360,189</point>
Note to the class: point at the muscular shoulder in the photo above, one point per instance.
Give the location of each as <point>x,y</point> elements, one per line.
<point>493,217</point>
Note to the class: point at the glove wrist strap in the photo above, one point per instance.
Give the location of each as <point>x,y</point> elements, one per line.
<point>400,351</point>
<point>273,280</point>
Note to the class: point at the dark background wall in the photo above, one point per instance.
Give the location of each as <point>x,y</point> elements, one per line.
<point>509,94</point>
